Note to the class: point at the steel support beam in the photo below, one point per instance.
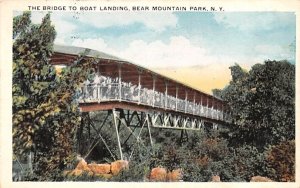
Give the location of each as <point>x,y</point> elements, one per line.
<point>117,132</point>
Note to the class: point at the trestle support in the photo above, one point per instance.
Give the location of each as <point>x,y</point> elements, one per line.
<point>136,126</point>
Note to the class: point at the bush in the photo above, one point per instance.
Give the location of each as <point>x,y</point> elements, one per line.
<point>281,161</point>
<point>136,172</point>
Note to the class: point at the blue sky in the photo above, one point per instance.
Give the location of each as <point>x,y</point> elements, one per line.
<point>168,39</point>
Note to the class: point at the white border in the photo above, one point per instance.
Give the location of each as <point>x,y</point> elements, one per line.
<point>6,9</point>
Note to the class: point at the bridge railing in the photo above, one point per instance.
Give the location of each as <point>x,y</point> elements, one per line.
<point>130,93</point>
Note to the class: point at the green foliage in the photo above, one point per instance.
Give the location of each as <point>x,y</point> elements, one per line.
<point>135,173</point>
<point>217,93</point>
<point>45,110</point>
<point>32,102</point>
<point>211,155</point>
<point>262,103</point>
<point>46,120</point>
<point>84,177</point>
<point>58,149</point>
<point>21,24</point>
<point>281,161</point>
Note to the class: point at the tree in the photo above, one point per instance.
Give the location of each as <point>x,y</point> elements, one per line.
<point>45,106</point>
<point>262,103</point>
<point>33,80</point>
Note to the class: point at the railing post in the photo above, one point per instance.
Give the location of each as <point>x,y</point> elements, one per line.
<point>176,97</point>
<point>212,109</point>
<point>120,82</point>
<point>98,93</point>
<point>217,111</point>
<point>166,95</point>
<point>222,112</point>
<point>201,106</point>
<point>98,84</point>
<point>194,103</point>
<point>161,100</point>
<point>139,87</point>
<point>207,107</point>
<point>185,101</point>
<point>153,91</point>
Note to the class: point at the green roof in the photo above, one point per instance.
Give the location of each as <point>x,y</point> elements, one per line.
<point>73,50</point>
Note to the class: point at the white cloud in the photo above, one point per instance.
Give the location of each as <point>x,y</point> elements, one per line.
<point>275,51</point>
<point>36,17</point>
<point>63,27</point>
<point>179,51</point>
<point>95,44</point>
<point>155,21</point>
<point>254,20</point>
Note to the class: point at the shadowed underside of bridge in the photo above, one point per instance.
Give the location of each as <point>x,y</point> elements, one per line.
<point>136,97</point>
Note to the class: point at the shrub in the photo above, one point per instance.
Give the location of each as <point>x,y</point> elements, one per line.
<point>281,161</point>
<point>135,172</point>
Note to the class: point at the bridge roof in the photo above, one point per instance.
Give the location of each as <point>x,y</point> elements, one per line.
<point>65,55</point>
<point>72,50</point>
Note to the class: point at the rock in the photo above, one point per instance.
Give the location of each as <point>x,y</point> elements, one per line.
<point>260,179</point>
<point>175,175</point>
<point>66,172</point>
<point>76,172</point>
<point>82,165</point>
<point>117,166</point>
<point>99,168</point>
<point>215,179</point>
<point>158,174</point>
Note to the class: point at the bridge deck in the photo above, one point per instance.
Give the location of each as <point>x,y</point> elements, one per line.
<point>124,96</point>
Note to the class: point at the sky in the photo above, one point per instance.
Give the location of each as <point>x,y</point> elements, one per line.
<point>180,39</point>
<point>195,48</point>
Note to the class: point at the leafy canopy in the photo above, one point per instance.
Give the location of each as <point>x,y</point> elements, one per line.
<point>262,103</point>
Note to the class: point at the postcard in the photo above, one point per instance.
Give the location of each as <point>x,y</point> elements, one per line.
<point>114,93</point>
